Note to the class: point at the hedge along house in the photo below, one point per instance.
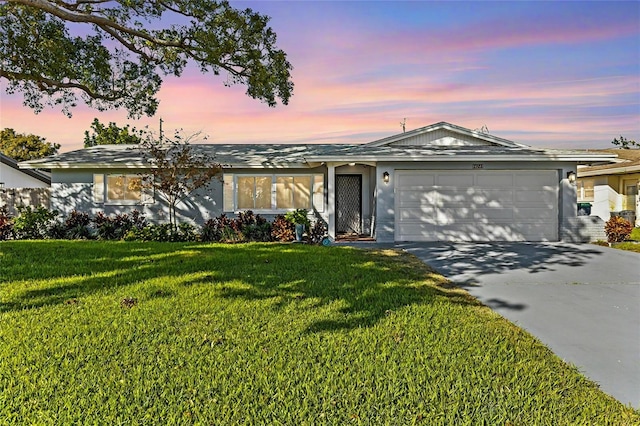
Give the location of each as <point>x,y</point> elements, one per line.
<point>437,183</point>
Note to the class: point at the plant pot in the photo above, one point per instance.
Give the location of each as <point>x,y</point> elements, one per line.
<point>299,231</point>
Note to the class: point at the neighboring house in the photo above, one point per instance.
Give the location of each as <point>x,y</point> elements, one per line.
<point>12,176</point>
<point>437,183</point>
<point>22,187</point>
<point>612,187</point>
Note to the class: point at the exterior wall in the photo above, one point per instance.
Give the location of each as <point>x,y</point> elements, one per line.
<point>73,190</point>
<point>12,178</point>
<point>588,229</point>
<point>385,209</point>
<point>441,137</point>
<point>609,195</point>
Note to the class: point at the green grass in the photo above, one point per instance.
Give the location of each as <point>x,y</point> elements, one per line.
<point>629,246</point>
<point>635,234</point>
<point>265,334</point>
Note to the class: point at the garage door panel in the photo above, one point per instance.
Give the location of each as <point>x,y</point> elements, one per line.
<point>530,196</point>
<point>496,196</point>
<point>536,232</point>
<point>477,206</point>
<point>418,214</point>
<point>494,180</point>
<point>417,179</point>
<point>454,180</point>
<point>417,197</point>
<point>535,213</point>
<point>548,178</point>
<point>452,215</point>
<point>493,214</point>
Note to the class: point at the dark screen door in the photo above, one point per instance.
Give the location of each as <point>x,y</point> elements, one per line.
<point>349,204</point>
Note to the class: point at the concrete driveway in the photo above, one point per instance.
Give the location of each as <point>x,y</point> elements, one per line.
<point>582,301</point>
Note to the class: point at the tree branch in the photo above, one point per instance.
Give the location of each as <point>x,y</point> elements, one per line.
<point>43,81</point>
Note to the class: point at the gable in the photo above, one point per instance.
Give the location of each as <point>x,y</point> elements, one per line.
<point>441,138</point>
<point>444,134</point>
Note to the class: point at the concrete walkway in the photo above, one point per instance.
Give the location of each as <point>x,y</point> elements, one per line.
<point>582,301</point>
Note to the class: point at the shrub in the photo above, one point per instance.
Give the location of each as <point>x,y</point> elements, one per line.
<point>298,217</point>
<point>164,232</point>
<point>186,232</point>
<point>253,227</point>
<point>617,229</point>
<point>216,229</point>
<point>246,227</point>
<point>77,226</point>
<point>6,226</point>
<point>33,224</point>
<point>282,229</point>
<point>115,228</point>
<point>318,232</point>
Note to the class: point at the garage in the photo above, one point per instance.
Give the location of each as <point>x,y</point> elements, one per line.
<point>479,205</point>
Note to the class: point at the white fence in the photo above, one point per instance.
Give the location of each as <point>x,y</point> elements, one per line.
<point>11,198</point>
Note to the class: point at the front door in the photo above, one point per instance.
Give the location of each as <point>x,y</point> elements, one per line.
<point>349,204</point>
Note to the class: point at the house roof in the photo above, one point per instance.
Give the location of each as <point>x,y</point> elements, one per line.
<point>438,142</point>
<point>628,161</point>
<point>36,174</point>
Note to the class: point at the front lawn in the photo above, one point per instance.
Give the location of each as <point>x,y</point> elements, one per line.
<point>162,333</point>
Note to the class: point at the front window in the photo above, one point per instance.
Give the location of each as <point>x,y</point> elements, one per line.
<point>293,192</point>
<point>274,193</point>
<point>254,192</point>
<point>120,189</point>
<point>585,189</point>
<point>124,188</point>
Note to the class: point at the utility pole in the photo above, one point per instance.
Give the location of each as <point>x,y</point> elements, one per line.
<point>161,130</point>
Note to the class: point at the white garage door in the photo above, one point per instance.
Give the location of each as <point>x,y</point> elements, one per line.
<point>476,206</point>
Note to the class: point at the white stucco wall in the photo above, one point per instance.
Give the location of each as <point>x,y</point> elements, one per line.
<point>13,178</point>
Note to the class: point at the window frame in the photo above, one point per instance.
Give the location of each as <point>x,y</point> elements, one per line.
<point>317,181</point>
<point>100,194</point>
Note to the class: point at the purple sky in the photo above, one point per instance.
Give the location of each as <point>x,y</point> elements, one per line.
<point>547,74</point>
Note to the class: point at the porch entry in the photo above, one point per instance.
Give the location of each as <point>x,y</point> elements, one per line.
<point>349,204</point>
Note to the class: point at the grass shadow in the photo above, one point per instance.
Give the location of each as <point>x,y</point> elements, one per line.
<point>368,284</point>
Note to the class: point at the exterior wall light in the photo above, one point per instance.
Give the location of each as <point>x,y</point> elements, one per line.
<point>572,177</point>
<point>385,177</point>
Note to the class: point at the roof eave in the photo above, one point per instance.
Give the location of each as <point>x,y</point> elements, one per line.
<point>609,171</point>
<point>458,157</point>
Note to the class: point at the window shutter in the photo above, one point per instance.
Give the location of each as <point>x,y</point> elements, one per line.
<point>98,188</point>
<point>227,192</point>
<point>147,195</point>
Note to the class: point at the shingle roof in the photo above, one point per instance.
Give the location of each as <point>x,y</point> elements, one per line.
<point>628,161</point>
<point>283,155</point>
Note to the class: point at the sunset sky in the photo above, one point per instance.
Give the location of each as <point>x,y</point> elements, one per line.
<point>547,74</point>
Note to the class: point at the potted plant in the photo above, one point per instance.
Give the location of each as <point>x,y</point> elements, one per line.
<point>299,218</point>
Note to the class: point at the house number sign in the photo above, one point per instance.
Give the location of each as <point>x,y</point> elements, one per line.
<point>478,166</point>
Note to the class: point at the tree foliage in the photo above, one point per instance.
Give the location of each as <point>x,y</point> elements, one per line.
<point>111,134</point>
<point>177,169</point>
<point>119,52</point>
<point>23,147</point>
<point>625,143</point>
